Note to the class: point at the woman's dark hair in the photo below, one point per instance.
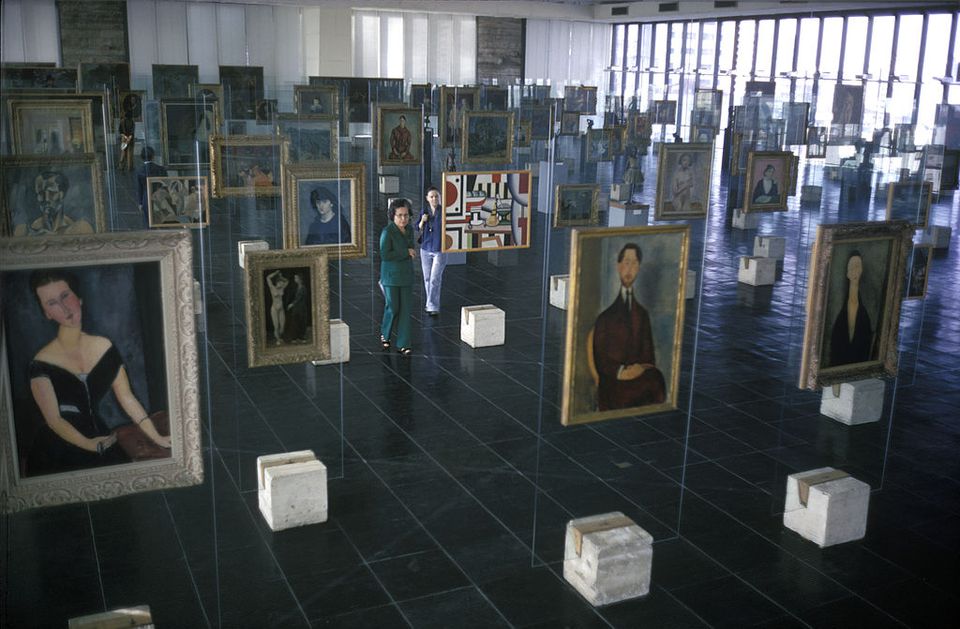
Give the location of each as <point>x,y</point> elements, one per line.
<point>636,251</point>
<point>431,189</point>
<point>395,205</point>
<point>42,277</point>
<point>322,194</point>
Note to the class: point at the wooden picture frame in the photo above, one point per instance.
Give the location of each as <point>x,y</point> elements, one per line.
<point>80,210</point>
<point>51,127</point>
<point>493,98</point>
<point>580,98</point>
<point>487,137</point>
<point>316,100</point>
<point>598,146</point>
<point>920,260</point>
<point>399,136</point>
<point>576,205</point>
<point>598,344</point>
<point>297,329</point>
<point>454,103</point>
<point>683,181</point>
<point>872,255</point>
<point>171,81</point>
<point>242,88</point>
<point>569,123</point>
<point>765,190</point>
<point>486,210</point>
<point>664,112</point>
<point>421,95</point>
<point>242,165</point>
<point>186,128</point>
<point>137,299</point>
<point>313,190</point>
<point>909,201</point>
<point>308,138</point>
<point>177,202</point>
<point>540,118</point>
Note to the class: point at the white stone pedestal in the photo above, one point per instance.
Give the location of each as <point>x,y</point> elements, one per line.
<point>246,246</point>
<point>558,291</point>
<point>936,235</point>
<point>691,287</point>
<point>811,195</point>
<point>292,489</point>
<point>757,271</point>
<point>619,192</point>
<point>622,214</point>
<point>389,184</point>
<point>745,220</point>
<point>607,558</point>
<point>826,506</point>
<point>130,616</point>
<point>858,402</point>
<point>769,247</point>
<point>482,326</point>
<point>339,344</point>
<point>504,257</point>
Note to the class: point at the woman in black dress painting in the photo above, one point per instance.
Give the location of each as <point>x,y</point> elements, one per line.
<point>851,340</point>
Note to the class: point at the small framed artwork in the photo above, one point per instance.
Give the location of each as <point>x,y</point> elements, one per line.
<point>768,177</point>
<point>847,109</point>
<point>186,129</point>
<point>287,300</point>
<point>244,165</point>
<point>242,88</point>
<point>919,269</point>
<point>853,302</point>
<point>616,139</point>
<point>576,205</point>
<point>486,210</point>
<point>524,131</point>
<point>208,93</point>
<point>399,136</point>
<point>421,95</point>
<point>639,127</point>
<point>569,123</point>
<point>38,77</point>
<point>51,127</point>
<point>540,118</point>
<point>664,112</point>
<point>266,110</point>
<point>313,100</point>
<point>344,93</point>
<point>816,142</point>
<point>308,138</point>
<point>625,324</point>
<point>178,202</point>
<point>683,181</point>
<point>580,98</point>
<point>127,300</point>
<point>494,98</point>
<point>487,137</point>
<point>131,102</point>
<point>46,195</point>
<point>909,201</point>
<point>702,134</point>
<point>598,146</point>
<point>174,81</point>
<point>454,103</point>
<point>323,207</point>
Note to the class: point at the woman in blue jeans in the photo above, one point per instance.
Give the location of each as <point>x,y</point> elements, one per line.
<point>432,260</point>
<point>396,275</point>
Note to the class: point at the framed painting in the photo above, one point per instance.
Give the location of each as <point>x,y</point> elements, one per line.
<point>598,146</point>
<point>540,118</point>
<point>38,78</point>
<point>324,206</point>
<point>287,301</point>
<point>178,202</point>
<point>768,178</point>
<point>494,98</point>
<point>399,136</point>
<point>702,134</point>
<point>454,103</point>
<point>534,94</point>
<point>760,88</point>
<point>131,102</point>
<point>707,105</point>
<point>486,211</point>
<point>523,133</point>
<point>909,201</point>
<point>242,165</point>
<point>207,93</point>
<point>385,92</point>
<point>847,109</point>
<point>569,123</point>
<point>174,81</point>
<point>576,204</point>
<point>51,127</point>
<point>186,129</point>
<point>487,137</point>
<point>421,95</point>
<point>242,88</point>
<point>664,112</point>
<point>625,324</point>
<point>127,298</point>
<point>816,142</point>
<point>920,261</point>
<point>683,181</point>
<point>580,98</point>
<point>266,110</point>
<point>862,262</point>
<point>45,195</point>
<point>95,77</point>
<point>308,138</point>
<point>342,86</point>
<point>795,120</point>
<point>314,100</point>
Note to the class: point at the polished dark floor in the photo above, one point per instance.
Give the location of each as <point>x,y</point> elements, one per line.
<point>451,478</point>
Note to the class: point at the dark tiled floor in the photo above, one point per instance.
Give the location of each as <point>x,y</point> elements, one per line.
<point>451,478</point>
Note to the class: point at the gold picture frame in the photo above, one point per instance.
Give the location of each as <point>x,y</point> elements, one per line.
<point>765,190</point>
<point>316,100</point>
<point>308,138</point>
<point>178,202</point>
<point>844,261</point>
<point>487,137</point>
<point>399,136</point>
<point>486,210</point>
<point>604,375</point>
<point>51,127</point>
<point>297,328</point>
<point>232,162</point>
<point>686,194</point>
<point>569,202</point>
<point>306,188</point>
<point>454,101</point>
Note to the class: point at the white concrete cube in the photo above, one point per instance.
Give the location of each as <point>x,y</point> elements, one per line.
<point>769,247</point>
<point>558,291</point>
<point>745,220</point>
<point>937,235</point>
<point>607,558</point>
<point>835,508</point>
<point>691,288</point>
<point>757,271</point>
<point>389,184</point>
<point>339,344</point>
<point>292,489</point>
<point>619,192</point>
<point>811,194</point>
<point>622,214</point>
<point>858,402</point>
<point>246,246</point>
<point>482,326</point>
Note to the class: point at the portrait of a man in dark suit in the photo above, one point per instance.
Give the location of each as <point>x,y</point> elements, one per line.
<point>623,348</point>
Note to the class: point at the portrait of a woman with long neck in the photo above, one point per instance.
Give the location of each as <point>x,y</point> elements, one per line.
<point>851,340</point>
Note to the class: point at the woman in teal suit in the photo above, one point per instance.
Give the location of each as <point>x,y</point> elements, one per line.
<point>396,275</point>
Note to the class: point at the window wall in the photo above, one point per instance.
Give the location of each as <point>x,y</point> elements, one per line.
<point>902,58</point>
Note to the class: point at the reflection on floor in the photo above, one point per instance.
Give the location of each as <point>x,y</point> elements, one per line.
<point>452,479</point>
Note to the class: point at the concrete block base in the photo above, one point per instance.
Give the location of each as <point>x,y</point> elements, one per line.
<point>558,291</point>
<point>826,506</point>
<point>757,271</point>
<point>769,247</point>
<point>246,246</point>
<point>292,489</point>
<point>339,343</point>
<point>745,220</point>
<point>858,402</point>
<point>482,326</point>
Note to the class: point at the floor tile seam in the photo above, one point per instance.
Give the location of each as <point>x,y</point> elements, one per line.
<point>902,568</point>
<point>96,558</point>
<point>682,604</point>
<point>732,473</point>
<point>183,555</point>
